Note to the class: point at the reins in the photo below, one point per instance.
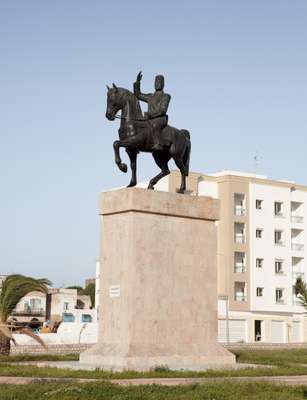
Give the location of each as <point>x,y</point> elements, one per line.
<point>131,119</point>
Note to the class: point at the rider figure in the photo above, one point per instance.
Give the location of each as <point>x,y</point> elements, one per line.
<point>157,107</point>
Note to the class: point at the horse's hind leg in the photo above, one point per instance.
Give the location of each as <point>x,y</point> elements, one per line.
<point>132,155</point>
<point>161,159</point>
<point>180,164</point>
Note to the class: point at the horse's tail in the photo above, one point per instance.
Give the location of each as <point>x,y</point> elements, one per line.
<point>187,151</point>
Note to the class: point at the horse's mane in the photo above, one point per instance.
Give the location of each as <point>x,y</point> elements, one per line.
<point>123,92</point>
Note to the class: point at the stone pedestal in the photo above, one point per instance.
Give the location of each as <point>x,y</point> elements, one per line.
<point>158,302</point>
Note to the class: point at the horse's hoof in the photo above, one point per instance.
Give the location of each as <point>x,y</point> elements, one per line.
<point>181,191</point>
<point>131,184</point>
<point>123,167</point>
<point>150,187</point>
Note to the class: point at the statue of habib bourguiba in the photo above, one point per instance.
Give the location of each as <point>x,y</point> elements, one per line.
<point>149,132</point>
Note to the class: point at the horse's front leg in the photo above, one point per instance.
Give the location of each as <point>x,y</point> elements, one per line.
<point>133,156</point>
<point>118,161</point>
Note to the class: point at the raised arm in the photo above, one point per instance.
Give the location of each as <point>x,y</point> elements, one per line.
<point>137,89</point>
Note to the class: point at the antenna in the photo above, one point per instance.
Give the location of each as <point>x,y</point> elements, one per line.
<point>257,159</point>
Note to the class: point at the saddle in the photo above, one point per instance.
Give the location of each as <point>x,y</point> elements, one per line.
<point>145,127</point>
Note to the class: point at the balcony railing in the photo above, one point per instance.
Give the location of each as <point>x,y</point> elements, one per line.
<point>297,246</point>
<point>239,238</point>
<point>297,219</point>
<point>239,211</point>
<point>240,268</point>
<point>240,296</point>
<point>29,311</point>
<point>279,214</point>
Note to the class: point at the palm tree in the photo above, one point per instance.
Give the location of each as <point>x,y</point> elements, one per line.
<point>300,289</point>
<point>14,288</point>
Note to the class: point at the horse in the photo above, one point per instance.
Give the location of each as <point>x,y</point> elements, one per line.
<point>135,135</point>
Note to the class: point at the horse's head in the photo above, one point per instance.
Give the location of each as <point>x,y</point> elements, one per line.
<point>114,102</point>
<point>122,99</point>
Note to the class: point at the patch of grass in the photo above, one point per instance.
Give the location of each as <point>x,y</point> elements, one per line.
<point>39,357</point>
<point>34,371</point>
<point>285,362</point>
<point>273,357</point>
<point>106,391</point>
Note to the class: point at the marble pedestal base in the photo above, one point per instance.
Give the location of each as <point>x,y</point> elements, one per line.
<point>158,301</point>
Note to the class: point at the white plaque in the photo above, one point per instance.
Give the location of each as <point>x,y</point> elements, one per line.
<point>114,290</point>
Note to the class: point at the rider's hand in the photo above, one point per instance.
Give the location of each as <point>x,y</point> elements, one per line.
<point>139,76</point>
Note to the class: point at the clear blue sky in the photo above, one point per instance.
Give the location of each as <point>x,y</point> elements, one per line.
<point>236,71</point>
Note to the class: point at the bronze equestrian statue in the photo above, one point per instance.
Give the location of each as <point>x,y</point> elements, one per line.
<point>149,132</point>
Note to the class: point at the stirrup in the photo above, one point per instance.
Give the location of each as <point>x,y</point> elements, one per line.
<point>157,147</point>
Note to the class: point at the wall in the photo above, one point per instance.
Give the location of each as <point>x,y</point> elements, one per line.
<point>52,349</point>
<point>58,298</point>
<point>37,296</point>
<point>68,333</point>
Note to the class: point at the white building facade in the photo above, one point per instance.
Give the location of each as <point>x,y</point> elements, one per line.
<point>262,237</point>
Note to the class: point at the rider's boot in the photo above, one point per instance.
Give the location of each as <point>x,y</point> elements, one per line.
<point>157,146</point>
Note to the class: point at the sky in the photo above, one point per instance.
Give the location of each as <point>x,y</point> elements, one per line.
<point>236,71</point>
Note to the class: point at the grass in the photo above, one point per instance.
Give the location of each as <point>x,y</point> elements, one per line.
<point>284,362</point>
<point>106,391</point>
<point>34,371</point>
<point>273,357</point>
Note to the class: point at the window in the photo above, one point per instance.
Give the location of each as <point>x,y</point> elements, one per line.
<point>279,295</point>
<point>239,204</point>
<point>239,231</point>
<point>259,204</point>
<point>36,305</point>
<point>239,260</point>
<point>279,238</point>
<point>259,291</point>
<point>259,262</point>
<point>86,318</point>
<point>68,317</point>
<point>278,209</point>
<point>66,306</point>
<point>240,291</point>
<point>279,264</point>
<point>259,233</point>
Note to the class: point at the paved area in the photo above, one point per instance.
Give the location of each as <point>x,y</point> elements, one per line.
<point>77,365</point>
<point>299,380</point>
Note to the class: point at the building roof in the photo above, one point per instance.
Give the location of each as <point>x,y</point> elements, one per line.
<point>246,177</point>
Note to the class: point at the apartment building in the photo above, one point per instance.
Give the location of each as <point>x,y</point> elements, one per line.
<point>261,251</point>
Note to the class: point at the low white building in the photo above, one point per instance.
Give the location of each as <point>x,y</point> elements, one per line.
<point>59,305</point>
<point>67,306</point>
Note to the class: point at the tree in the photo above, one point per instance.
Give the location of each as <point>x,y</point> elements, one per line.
<point>90,291</point>
<point>14,288</point>
<point>300,289</point>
